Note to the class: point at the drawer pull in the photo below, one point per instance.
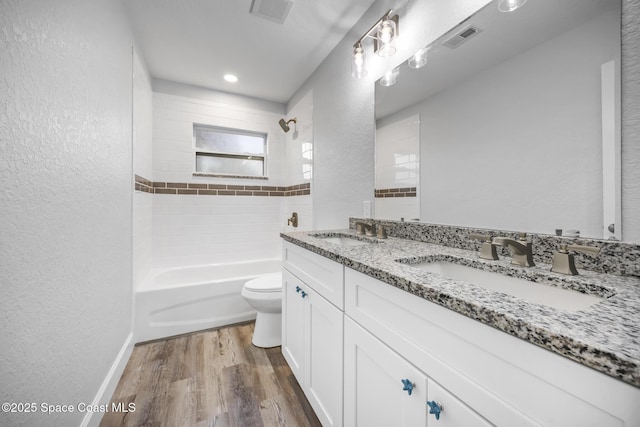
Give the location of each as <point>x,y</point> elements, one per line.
<point>408,386</point>
<point>434,408</point>
<point>304,294</point>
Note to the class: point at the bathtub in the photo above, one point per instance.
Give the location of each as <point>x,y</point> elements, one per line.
<point>179,300</point>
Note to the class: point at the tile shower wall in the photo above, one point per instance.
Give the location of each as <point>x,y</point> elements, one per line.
<point>190,229</point>
<point>142,167</point>
<point>299,163</point>
<point>397,169</point>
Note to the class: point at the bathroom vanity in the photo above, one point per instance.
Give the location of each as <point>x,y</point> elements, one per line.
<point>376,339</point>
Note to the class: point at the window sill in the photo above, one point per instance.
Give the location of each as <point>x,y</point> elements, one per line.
<point>223,175</point>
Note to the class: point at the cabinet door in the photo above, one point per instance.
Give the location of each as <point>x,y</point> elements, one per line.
<point>373,384</point>
<point>323,358</point>
<point>293,324</point>
<point>453,412</point>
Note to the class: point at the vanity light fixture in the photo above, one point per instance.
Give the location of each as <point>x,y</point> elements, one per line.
<point>419,59</point>
<point>390,77</point>
<point>384,33</point>
<point>510,5</point>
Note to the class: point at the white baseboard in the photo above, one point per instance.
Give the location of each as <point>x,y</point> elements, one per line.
<point>110,382</point>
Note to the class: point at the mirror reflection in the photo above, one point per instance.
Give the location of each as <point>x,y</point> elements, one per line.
<point>513,123</point>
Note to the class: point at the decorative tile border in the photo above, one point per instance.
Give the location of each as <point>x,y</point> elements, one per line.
<point>396,192</point>
<point>618,258</point>
<point>142,184</point>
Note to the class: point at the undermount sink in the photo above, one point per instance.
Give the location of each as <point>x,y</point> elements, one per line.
<point>551,296</point>
<point>343,239</point>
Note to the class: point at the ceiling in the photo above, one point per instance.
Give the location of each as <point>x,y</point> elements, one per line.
<point>197,42</point>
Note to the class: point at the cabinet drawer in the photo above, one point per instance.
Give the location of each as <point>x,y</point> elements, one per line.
<point>326,277</point>
<point>504,379</point>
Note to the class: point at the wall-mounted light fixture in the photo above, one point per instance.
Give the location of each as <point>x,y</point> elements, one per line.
<point>383,32</point>
<point>510,5</point>
<point>390,77</point>
<point>419,59</point>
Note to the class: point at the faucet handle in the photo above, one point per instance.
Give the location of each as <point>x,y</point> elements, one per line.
<point>382,233</point>
<point>487,249</point>
<point>481,237</point>
<point>563,261</point>
<point>522,237</point>
<point>588,250</point>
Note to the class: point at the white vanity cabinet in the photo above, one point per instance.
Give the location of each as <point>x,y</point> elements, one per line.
<point>377,385</point>
<point>374,386</point>
<point>480,375</point>
<point>312,329</point>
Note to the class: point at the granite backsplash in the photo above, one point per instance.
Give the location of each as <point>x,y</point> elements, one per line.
<point>618,258</point>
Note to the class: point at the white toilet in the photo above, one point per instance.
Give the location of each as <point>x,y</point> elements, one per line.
<point>264,294</point>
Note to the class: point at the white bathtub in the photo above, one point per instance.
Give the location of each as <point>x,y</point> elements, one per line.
<point>186,299</point>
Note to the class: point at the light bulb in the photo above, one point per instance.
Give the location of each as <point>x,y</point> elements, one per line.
<point>385,36</point>
<point>510,5</point>
<point>419,59</point>
<point>390,77</point>
<point>358,69</point>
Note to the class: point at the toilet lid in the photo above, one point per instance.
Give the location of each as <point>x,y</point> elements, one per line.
<point>267,283</point>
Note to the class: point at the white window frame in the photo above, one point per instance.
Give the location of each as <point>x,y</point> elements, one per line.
<point>235,155</point>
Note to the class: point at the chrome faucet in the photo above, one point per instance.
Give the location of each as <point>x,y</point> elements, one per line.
<point>522,250</point>
<point>563,261</point>
<point>364,228</point>
<point>293,221</point>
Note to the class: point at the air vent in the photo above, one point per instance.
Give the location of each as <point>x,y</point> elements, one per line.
<point>462,36</point>
<point>273,10</point>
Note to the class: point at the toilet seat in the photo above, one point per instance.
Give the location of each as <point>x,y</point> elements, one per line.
<point>271,282</point>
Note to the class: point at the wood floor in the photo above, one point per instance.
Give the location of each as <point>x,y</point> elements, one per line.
<point>211,378</point>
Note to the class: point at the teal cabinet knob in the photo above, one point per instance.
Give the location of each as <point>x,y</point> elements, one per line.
<point>434,408</point>
<point>298,289</point>
<point>304,294</point>
<point>407,386</point>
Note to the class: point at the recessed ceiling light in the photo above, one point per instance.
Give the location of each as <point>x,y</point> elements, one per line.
<point>230,78</point>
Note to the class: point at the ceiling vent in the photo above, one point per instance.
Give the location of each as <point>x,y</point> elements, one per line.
<point>462,36</point>
<point>273,10</point>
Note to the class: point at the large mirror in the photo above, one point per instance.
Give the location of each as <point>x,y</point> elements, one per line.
<point>513,123</point>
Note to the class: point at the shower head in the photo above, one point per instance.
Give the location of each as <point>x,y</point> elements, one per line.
<point>285,125</point>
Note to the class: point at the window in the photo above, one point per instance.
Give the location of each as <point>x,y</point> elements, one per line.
<point>222,151</point>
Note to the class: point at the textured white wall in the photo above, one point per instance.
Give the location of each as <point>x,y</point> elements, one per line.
<point>631,121</point>
<point>343,107</point>
<point>65,179</point>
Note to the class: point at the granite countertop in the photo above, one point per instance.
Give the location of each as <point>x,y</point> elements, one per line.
<point>604,336</point>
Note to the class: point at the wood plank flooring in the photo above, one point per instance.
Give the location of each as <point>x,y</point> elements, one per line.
<point>210,378</point>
